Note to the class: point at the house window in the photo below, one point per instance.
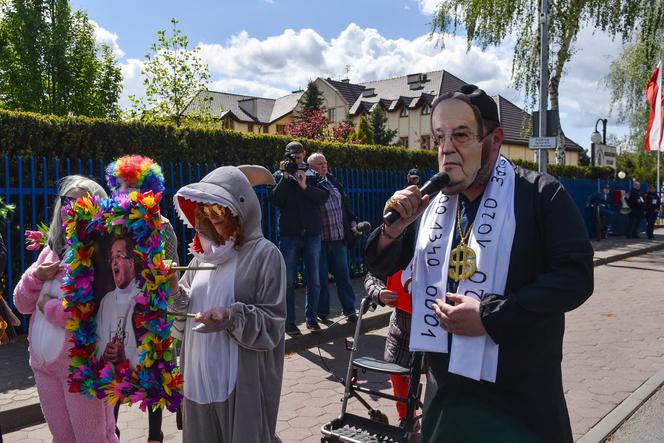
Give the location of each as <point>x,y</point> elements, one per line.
<point>427,109</point>
<point>403,141</point>
<point>332,114</point>
<point>229,123</point>
<point>266,129</point>
<point>281,129</point>
<point>250,127</point>
<point>404,112</point>
<point>425,142</point>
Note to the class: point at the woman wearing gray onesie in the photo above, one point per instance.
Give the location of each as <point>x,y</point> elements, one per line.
<point>234,347</point>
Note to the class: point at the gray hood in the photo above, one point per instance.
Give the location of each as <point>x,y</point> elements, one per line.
<point>231,187</point>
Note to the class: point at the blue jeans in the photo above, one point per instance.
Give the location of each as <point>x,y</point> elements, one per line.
<point>334,256</point>
<point>307,248</point>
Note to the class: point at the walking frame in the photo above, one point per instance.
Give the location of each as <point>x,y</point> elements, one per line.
<point>354,428</point>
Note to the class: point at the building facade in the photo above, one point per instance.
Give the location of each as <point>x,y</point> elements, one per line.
<point>406,101</point>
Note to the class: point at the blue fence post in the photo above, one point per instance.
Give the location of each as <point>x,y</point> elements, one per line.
<point>45,188</point>
<point>8,237</point>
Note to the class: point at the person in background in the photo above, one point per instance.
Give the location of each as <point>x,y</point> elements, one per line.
<point>71,417</point>
<point>338,228</point>
<point>653,204</point>
<point>637,206</point>
<point>298,195</point>
<point>602,201</point>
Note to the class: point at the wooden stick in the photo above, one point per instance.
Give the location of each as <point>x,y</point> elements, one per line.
<point>193,268</point>
<point>181,314</point>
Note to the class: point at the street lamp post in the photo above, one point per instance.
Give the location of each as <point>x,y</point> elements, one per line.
<point>596,138</point>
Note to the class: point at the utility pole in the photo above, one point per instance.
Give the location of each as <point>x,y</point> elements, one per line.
<point>544,82</point>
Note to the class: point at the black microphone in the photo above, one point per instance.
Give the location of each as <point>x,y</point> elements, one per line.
<point>437,182</point>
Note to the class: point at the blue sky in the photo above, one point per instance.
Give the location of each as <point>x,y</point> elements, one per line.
<point>271,47</point>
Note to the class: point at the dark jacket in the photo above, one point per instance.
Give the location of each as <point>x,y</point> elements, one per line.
<point>550,273</point>
<point>299,210</point>
<point>635,202</point>
<point>347,208</point>
<point>653,203</point>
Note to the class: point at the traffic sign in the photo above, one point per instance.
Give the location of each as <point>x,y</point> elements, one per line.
<point>542,142</point>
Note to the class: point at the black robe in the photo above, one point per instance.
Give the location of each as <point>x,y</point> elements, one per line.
<point>550,273</point>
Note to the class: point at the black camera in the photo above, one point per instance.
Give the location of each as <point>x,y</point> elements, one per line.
<point>292,166</point>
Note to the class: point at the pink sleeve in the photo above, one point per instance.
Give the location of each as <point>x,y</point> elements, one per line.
<point>55,313</point>
<point>28,288</point>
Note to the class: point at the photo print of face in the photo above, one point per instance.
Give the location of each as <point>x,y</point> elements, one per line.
<point>116,335</point>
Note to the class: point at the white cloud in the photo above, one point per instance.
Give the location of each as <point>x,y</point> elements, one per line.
<point>271,2</point>
<point>132,81</point>
<point>428,7</point>
<point>247,87</point>
<point>105,37</point>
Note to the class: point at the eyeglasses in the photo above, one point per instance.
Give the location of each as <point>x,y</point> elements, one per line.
<point>460,138</point>
<point>214,210</point>
<point>118,257</point>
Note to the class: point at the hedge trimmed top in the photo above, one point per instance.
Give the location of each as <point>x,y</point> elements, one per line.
<point>23,133</point>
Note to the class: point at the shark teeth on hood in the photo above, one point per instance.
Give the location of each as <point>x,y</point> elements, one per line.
<point>193,195</point>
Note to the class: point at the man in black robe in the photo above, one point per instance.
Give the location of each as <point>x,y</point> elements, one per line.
<point>550,273</point>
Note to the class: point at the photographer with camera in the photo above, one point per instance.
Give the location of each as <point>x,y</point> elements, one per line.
<point>299,196</point>
<point>340,231</point>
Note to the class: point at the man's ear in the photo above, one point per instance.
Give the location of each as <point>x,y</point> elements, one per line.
<point>497,137</point>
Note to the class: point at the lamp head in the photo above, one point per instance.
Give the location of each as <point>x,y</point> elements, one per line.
<point>596,137</point>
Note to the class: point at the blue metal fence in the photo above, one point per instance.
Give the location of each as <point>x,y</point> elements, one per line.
<point>30,184</point>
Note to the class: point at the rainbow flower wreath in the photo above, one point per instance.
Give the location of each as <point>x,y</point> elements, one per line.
<point>156,381</point>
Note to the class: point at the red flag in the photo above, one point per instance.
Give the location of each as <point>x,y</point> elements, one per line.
<point>656,119</point>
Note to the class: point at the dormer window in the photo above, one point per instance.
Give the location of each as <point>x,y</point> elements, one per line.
<point>404,111</point>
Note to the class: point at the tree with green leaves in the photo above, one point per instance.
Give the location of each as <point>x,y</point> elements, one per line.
<point>489,22</point>
<point>312,99</point>
<point>363,133</point>
<point>629,74</point>
<point>377,120</point>
<point>173,76</point>
<point>51,64</point>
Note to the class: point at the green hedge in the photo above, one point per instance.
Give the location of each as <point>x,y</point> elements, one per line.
<point>23,133</point>
<point>80,137</point>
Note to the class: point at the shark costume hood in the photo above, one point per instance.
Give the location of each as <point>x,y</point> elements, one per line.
<point>231,187</point>
<point>247,351</point>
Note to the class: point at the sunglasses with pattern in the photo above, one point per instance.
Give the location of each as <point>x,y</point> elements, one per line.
<point>214,210</point>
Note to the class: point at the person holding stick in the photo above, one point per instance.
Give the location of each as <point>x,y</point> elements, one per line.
<point>234,345</point>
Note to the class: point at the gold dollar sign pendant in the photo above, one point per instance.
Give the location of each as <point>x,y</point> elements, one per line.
<point>462,258</point>
<point>462,263</point>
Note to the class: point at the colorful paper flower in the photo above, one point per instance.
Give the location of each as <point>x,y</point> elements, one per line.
<point>156,381</point>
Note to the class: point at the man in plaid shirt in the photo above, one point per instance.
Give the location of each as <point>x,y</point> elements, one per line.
<point>338,227</point>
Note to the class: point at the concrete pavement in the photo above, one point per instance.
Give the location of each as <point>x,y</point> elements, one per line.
<point>614,343</point>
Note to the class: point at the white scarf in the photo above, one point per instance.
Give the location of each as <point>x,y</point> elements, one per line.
<point>211,358</point>
<point>491,239</point>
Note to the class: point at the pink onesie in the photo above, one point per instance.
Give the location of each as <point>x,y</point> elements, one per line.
<point>71,417</point>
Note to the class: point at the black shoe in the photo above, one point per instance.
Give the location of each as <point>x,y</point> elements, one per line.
<point>352,318</point>
<point>293,330</point>
<point>313,326</point>
<point>323,319</point>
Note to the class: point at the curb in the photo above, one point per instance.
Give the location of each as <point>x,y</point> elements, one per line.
<point>370,321</point>
<point>18,418</point>
<point>612,421</point>
<point>624,255</point>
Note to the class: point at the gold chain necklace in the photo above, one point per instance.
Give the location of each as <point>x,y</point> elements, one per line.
<point>462,258</point>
